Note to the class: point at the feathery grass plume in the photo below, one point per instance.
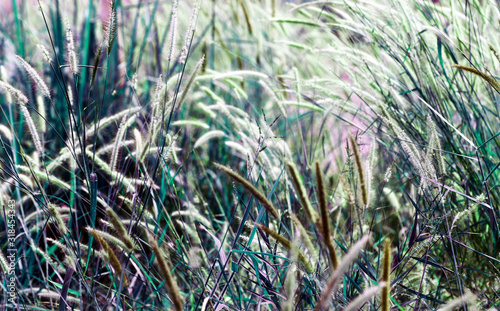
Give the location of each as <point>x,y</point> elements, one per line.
<point>207,136</point>
<point>42,86</point>
<point>189,33</point>
<point>247,185</point>
<point>66,250</point>
<point>206,109</point>
<point>339,272</point>
<point>238,147</point>
<point>111,26</point>
<point>190,231</point>
<point>110,120</point>
<point>324,222</point>
<point>468,298</point>
<point>288,245</point>
<point>304,234</point>
<point>361,175</point>
<point>47,258</point>
<point>411,150</point>
<point>427,160</point>
<point>122,130</point>
<point>421,245</point>
<point>158,112</point>
<point>369,165</point>
<point>116,149</point>
<point>6,132</point>
<point>2,199</point>
<point>349,196</point>
<point>113,260</point>
<point>363,298</point>
<point>4,264</point>
<point>466,212</point>
<point>41,175</point>
<point>113,240</point>
<point>290,287</point>
<point>194,123</point>
<point>138,143</point>
<point>45,53</point>
<point>64,155</point>
<point>96,65</point>
<point>195,214</point>
<point>33,131</point>
<point>20,97</point>
<point>435,146</point>
<point>386,271</point>
<point>128,183</point>
<point>172,288</point>
<point>492,81</point>
<point>170,151</point>
<point>52,295</point>
<point>56,214</point>
<point>70,45</point>
<point>157,96</point>
<point>304,198</point>
<point>8,95</point>
<point>119,228</point>
<point>41,114</point>
<point>173,31</point>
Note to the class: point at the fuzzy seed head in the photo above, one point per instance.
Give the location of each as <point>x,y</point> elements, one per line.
<point>173,32</point>
<point>20,97</point>
<point>386,271</point>
<point>54,212</point>
<point>33,130</point>
<point>119,228</point>
<point>45,53</point>
<point>189,33</point>
<point>172,288</point>
<point>70,43</point>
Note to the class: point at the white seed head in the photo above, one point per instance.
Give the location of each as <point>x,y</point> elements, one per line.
<point>173,32</point>
<point>70,43</point>
<point>42,86</point>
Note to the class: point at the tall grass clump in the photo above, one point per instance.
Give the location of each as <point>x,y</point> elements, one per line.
<point>239,155</point>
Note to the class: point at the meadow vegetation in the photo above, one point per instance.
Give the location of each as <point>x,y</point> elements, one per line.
<point>250,155</point>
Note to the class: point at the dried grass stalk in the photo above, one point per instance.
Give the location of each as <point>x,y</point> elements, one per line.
<point>288,245</point>
<point>172,288</point>
<point>247,185</point>
<point>325,226</point>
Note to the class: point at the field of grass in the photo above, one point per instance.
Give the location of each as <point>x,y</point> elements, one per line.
<point>249,155</point>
